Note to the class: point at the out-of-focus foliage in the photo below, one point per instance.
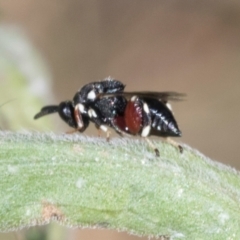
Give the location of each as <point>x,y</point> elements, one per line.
<point>24,78</point>
<point>25,86</point>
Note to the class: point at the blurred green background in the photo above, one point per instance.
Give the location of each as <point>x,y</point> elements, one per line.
<point>49,49</point>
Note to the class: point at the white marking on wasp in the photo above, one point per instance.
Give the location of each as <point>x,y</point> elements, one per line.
<point>168,105</point>
<point>104,128</point>
<point>109,78</point>
<point>81,108</point>
<point>146,108</point>
<point>145,131</point>
<point>133,98</point>
<point>92,113</point>
<point>91,95</point>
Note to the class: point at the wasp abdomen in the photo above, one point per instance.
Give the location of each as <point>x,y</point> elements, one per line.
<point>163,121</point>
<point>133,116</point>
<point>164,126</point>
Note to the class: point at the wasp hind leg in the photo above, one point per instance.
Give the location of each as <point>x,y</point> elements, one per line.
<point>146,129</point>
<point>175,144</point>
<point>152,146</point>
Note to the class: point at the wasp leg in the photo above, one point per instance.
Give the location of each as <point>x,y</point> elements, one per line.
<point>146,128</point>
<point>175,144</point>
<point>103,128</point>
<point>108,133</point>
<point>99,130</point>
<point>153,147</point>
<point>73,131</point>
<point>78,116</point>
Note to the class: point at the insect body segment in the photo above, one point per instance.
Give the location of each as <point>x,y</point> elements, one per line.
<point>107,105</point>
<point>133,116</point>
<point>163,121</point>
<point>90,92</point>
<point>67,114</point>
<point>101,111</point>
<point>148,116</point>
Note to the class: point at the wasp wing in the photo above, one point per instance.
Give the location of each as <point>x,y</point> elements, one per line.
<point>163,96</point>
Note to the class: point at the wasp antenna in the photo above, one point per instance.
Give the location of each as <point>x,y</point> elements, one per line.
<point>47,110</point>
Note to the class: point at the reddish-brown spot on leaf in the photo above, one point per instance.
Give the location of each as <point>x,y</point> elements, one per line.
<point>51,212</point>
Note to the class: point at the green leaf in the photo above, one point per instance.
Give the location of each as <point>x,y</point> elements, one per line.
<point>88,182</point>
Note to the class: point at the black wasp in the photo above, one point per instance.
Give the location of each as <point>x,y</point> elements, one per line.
<point>107,105</point>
